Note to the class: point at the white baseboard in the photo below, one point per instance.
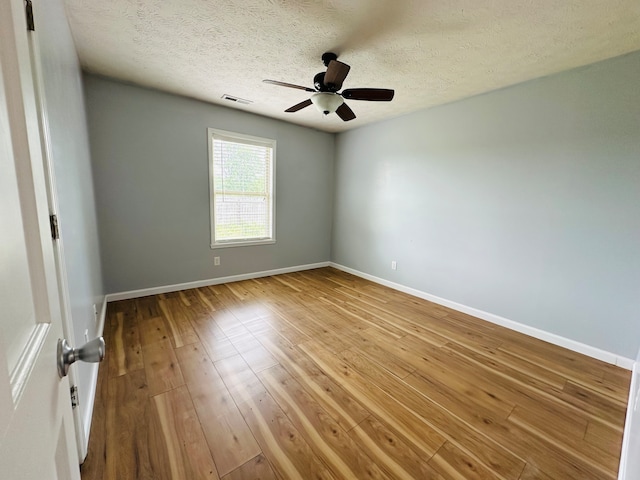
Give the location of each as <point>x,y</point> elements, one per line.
<point>573,345</point>
<point>630,456</point>
<point>88,414</point>
<point>112,297</point>
<point>102,318</point>
<point>582,348</point>
<point>93,385</point>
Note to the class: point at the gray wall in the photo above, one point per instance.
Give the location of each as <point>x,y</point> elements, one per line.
<point>524,203</point>
<point>150,160</point>
<point>72,170</point>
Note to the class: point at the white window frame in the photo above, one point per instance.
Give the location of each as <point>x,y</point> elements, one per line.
<point>247,139</point>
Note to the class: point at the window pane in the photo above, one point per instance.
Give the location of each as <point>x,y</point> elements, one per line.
<point>242,182</point>
<point>241,217</point>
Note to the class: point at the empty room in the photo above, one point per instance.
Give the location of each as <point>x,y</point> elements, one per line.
<point>320,240</point>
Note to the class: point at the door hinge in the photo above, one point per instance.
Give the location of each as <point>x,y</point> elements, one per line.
<point>30,24</point>
<point>55,231</point>
<point>74,396</point>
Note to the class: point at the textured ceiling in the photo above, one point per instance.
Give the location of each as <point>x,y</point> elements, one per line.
<point>431,52</point>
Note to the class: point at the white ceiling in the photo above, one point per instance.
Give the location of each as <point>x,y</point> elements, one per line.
<point>431,52</point>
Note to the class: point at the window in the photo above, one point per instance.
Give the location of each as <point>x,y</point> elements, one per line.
<point>241,179</point>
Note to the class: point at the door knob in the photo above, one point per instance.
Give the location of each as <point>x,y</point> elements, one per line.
<point>92,351</point>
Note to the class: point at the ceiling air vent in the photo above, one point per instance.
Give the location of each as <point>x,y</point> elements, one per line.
<point>236,99</point>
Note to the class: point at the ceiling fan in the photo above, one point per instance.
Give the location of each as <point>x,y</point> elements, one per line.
<point>326,96</point>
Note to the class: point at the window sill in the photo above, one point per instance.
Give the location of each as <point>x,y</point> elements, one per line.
<point>242,243</point>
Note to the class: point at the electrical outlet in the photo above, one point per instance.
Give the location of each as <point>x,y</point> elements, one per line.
<point>216,261</point>
<point>394,265</point>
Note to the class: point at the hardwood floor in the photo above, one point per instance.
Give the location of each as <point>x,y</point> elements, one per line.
<point>323,375</point>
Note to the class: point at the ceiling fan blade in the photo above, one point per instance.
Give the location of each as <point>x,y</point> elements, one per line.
<point>290,85</point>
<point>299,106</point>
<point>336,73</point>
<point>345,113</point>
<point>371,94</point>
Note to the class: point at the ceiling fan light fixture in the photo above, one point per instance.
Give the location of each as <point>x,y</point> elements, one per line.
<point>327,102</point>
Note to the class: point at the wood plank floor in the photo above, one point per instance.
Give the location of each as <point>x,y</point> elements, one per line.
<point>323,375</point>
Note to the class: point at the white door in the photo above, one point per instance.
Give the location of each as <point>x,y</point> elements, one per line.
<point>36,423</point>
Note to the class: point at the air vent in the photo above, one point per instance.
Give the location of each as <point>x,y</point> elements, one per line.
<point>236,99</point>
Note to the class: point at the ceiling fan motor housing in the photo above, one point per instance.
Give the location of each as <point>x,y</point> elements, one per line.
<point>318,83</point>
<point>327,57</point>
